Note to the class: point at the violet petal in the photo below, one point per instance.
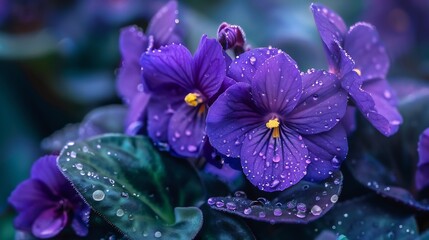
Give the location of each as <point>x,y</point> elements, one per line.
<point>274,164</point>
<point>162,25</point>
<point>209,66</point>
<point>186,130</point>
<point>230,118</point>
<point>166,68</point>
<point>363,44</point>
<point>322,105</point>
<point>50,222</point>
<point>277,85</point>
<point>422,174</point>
<point>243,68</point>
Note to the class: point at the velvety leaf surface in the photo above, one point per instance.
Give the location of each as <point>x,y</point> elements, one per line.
<point>369,217</point>
<point>389,167</point>
<point>218,225</point>
<point>302,203</point>
<point>374,175</point>
<point>144,194</point>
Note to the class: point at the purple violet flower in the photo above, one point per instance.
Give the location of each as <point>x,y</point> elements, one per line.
<point>278,122</point>
<point>47,202</point>
<point>360,60</point>
<point>422,174</point>
<point>133,43</point>
<point>182,88</point>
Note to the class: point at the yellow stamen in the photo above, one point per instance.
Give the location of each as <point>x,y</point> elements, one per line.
<point>193,99</point>
<point>356,70</point>
<point>274,124</point>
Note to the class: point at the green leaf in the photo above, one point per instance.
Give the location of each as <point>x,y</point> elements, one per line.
<point>140,191</point>
<point>218,225</point>
<point>369,217</point>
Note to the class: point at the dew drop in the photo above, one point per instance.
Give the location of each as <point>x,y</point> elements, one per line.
<point>300,214</point>
<point>315,97</point>
<point>316,210</point>
<point>220,204</point>
<point>98,195</point>
<point>262,214</point>
<point>240,194</point>
<point>192,148</point>
<point>277,212</point>
<point>119,212</point>
<point>334,198</point>
<point>157,234</point>
<point>211,201</point>
<point>276,158</point>
<point>247,211</point>
<point>252,60</point>
<point>79,166</point>
<point>231,206</point>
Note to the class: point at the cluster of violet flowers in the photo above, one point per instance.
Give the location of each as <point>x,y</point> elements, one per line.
<point>257,107</point>
<point>251,106</point>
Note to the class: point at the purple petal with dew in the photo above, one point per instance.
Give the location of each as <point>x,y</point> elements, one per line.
<point>137,112</point>
<point>209,67</point>
<point>330,25</point>
<point>46,170</point>
<point>277,85</point>
<point>50,222</point>
<point>159,112</point>
<point>322,104</point>
<point>167,68</point>
<point>379,112</point>
<point>230,118</point>
<point>132,43</point>
<point>274,164</point>
<point>186,130</point>
<point>162,25</point>
<point>327,151</point>
<point>422,173</point>
<point>80,220</point>
<point>342,60</point>
<point>244,66</point>
<point>364,46</point>
<point>129,80</point>
<point>382,88</point>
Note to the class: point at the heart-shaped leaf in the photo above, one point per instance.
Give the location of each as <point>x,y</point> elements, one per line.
<point>302,203</point>
<point>135,188</point>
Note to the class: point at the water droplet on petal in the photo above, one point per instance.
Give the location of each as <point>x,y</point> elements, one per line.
<point>192,148</point>
<point>252,60</point>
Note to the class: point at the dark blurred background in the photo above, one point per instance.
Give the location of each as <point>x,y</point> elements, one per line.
<point>58,58</point>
